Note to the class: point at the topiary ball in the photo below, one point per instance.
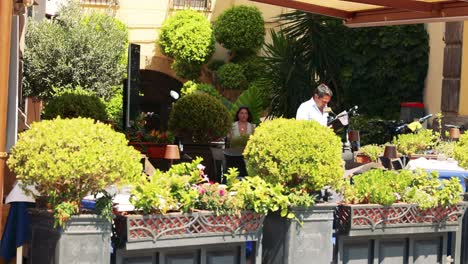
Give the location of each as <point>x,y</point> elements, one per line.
<point>193,87</point>
<point>199,118</point>
<point>187,36</point>
<point>303,155</point>
<point>75,103</point>
<point>240,28</point>
<point>67,159</point>
<point>231,76</point>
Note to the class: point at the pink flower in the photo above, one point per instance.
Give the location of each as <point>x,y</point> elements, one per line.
<point>222,192</point>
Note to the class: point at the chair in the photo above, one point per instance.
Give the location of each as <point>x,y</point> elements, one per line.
<point>219,164</point>
<point>234,159</point>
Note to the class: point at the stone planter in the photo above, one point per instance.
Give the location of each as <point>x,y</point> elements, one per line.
<point>85,239</point>
<point>200,237</point>
<point>401,233</point>
<point>286,241</point>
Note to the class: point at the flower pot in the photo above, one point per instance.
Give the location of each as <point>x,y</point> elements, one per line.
<point>178,235</point>
<point>150,149</point>
<point>361,158</point>
<point>401,233</point>
<point>85,239</point>
<point>289,242</point>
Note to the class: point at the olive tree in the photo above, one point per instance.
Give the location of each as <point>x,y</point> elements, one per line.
<point>75,50</point>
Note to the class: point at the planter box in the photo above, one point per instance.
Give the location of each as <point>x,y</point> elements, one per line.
<point>286,241</point>
<point>401,233</point>
<point>361,158</point>
<point>201,237</point>
<point>151,149</point>
<point>85,239</point>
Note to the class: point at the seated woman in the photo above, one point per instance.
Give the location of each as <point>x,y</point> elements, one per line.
<point>243,125</point>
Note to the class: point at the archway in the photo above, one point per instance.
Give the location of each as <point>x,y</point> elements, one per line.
<point>155,87</point>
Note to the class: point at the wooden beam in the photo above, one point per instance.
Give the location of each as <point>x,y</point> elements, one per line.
<point>6,12</point>
<point>411,5</point>
<point>316,9</point>
<point>450,11</point>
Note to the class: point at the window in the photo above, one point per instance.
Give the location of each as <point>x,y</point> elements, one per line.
<point>204,5</point>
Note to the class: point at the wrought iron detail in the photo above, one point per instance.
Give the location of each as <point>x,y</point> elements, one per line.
<point>198,224</point>
<point>352,217</point>
<point>201,5</point>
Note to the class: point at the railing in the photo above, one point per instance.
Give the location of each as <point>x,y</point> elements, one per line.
<point>100,2</point>
<point>201,5</point>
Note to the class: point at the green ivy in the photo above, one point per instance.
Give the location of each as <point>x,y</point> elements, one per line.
<point>240,28</point>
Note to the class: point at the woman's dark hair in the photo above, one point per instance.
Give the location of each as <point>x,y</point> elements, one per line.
<point>249,119</point>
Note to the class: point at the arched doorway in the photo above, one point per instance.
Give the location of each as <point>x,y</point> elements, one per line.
<point>155,88</point>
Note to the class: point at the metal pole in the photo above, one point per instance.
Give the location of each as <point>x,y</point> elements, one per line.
<point>6,12</point>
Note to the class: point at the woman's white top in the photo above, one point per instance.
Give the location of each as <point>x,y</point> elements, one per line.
<point>235,129</point>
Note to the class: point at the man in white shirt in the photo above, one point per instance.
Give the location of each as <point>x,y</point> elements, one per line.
<point>313,109</point>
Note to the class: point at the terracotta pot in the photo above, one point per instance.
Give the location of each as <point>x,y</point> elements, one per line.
<point>390,152</point>
<point>454,133</point>
<point>361,158</point>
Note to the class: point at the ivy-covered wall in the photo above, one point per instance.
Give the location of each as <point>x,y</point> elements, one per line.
<point>381,67</point>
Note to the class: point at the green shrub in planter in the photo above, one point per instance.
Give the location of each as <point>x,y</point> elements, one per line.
<point>187,36</point>
<point>67,159</point>
<point>201,117</point>
<point>75,103</point>
<point>460,152</point>
<point>415,143</point>
<point>193,87</point>
<point>302,155</point>
<point>231,76</point>
<point>240,28</point>
<point>388,187</point>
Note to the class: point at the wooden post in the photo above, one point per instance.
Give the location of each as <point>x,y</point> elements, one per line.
<point>6,12</point>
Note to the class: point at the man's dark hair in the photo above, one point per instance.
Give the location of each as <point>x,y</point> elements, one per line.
<point>323,90</point>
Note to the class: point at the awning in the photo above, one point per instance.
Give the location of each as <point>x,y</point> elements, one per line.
<point>364,13</point>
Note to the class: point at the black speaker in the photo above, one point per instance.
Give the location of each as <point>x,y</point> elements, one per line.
<point>132,86</point>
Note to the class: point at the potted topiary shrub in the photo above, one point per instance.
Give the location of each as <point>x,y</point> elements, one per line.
<point>65,160</point>
<point>70,103</point>
<point>199,119</point>
<point>180,212</point>
<point>305,158</point>
<point>416,144</point>
<point>407,214</point>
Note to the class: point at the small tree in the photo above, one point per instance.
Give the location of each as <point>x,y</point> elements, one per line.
<point>240,28</point>
<point>76,49</point>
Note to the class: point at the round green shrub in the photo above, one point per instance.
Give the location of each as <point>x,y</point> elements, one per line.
<point>231,76</point>
<point>253,67</point>
<point>114,108</point>
<point>187,36</point>
<point>75,103</point>
<point>67,159</point>
<point>186,70</point>
<point>193,87</point>
<point>200,117</point>
<point>240,28</point>
<point>300,154</point>
<point>460,152</point>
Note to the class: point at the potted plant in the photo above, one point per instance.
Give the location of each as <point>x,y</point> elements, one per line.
<point>369,153</point>
<point>305,158</point>
<point>198,119</point>
<point>401,211</point>
<point>64,160</point>
<point>415,144</point>
<point>180,211</point>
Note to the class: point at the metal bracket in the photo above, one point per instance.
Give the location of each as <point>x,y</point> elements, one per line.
<point>3,155</point>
